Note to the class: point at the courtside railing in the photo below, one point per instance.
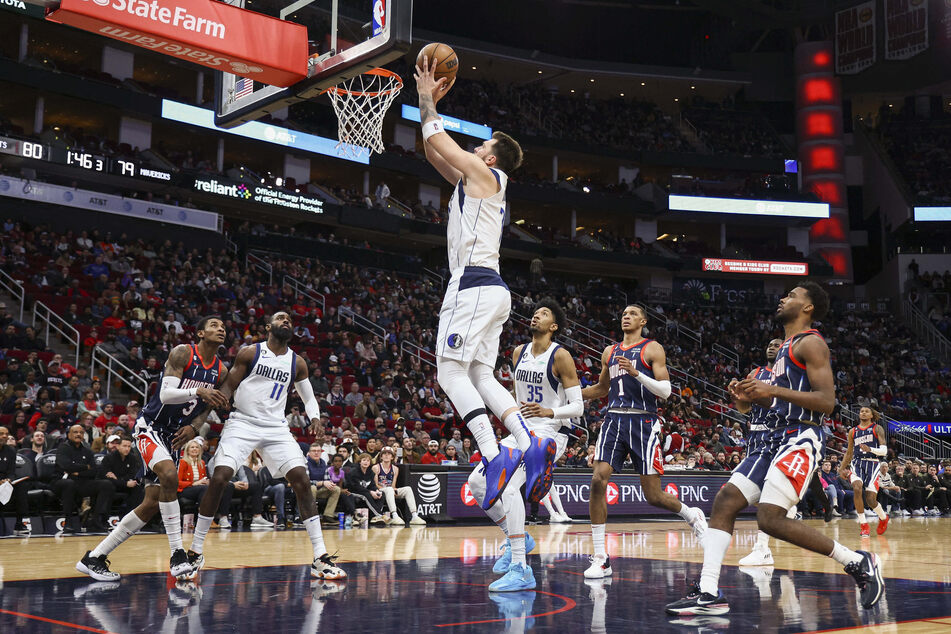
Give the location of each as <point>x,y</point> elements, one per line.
<point>362,322</point>
<point>412,350</point>
<point>15,289</point>
<point>50,322</point>
<point>117,372</point>
<point>253,261</point>
<point>302,290</point>
<point>926,330</point>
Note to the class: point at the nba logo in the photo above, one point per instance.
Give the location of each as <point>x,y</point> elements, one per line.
<point>379,16</point>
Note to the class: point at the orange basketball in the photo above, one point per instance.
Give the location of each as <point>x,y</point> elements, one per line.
<point>447,62</point>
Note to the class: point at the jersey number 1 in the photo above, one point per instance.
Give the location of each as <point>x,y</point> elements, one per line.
<point>277,390</point>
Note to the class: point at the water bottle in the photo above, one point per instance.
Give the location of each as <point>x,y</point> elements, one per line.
<point>341,521</point>
<point>348,522</point>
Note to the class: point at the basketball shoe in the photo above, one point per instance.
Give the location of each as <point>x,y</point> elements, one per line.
<point>179,566</point>
<point>698,523</point>
<point>703,603</point>
<point>539,467</point>
<point>324,568</point>
<point>96,567</point>
<point>503,563</point>
<point>758,557</point>
<point>498,472</point>
<point>600,567</point>
<point>868,576</point>
<point>882,525</point>
<point>519,577</point>
<point>865,532</point>
<point>197,561</point>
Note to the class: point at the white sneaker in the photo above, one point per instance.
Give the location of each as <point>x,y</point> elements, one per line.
<point>905,513</point>
<point>224,523</point>
<point>698,523</point>
<point>558,518</point>
<point>600,567</point>
<point>416,520</point>
<point>835,512</point>
<point>917,512</point>
<point>260,522</point>
<point>758,557</point>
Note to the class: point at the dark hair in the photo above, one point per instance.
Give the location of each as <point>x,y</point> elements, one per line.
<point>507,152</point>
<point>557,312</point>
<point>204,322</point>
<point>818,296</point>
<point>641,309</point>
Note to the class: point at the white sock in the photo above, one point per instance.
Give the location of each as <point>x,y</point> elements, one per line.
<point>516,424</point>
<point>484,436</point>
<point>686,512</point>
<point>172,518</point>
<point>791,513</point>
<point>843,555</point>
<point>126,528</point>
<point>879,511</point>
<point>548,506</point>
<point>860,518</point>
<point>715,544</point>
<point>556,500</point>
<point>312,524</point>
<point>201,529</point>
<point>762,541</point>
<point>597,535</point>
<point>518,549</point>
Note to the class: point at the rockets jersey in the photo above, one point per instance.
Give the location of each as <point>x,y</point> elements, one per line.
<point>625,390</point>
<point>864,435</point>
<point>261,396</point>
<point>386,478</point>
<point>474,229</point>
<point>760,415</point>
<point>788,372</point>
<point>536,383</point>
<point>166,419</point>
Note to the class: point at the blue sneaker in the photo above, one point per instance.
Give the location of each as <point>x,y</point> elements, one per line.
<point>498,473</point>
<point>503,563</point>
<point>539,467</point>
<point>516,605</point>
<point>519,577</point>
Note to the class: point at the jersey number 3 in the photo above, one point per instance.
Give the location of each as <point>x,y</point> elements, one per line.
<point>534,393</point>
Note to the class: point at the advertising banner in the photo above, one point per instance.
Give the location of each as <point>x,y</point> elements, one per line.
<point>107,203</point>
<point>213,34</point>
<point>755,266</point>
<point>711,205</point>
<point>855,38</point>
<point>447,493</point>
<point>937,429</point>
<point>716,291</point>
<point>260,194</point>
<point>906,28</point>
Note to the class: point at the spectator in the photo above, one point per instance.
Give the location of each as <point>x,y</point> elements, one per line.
<point>121,467</point>
<point>336,475</point>
<point>456,441</point>
<point>465,454</point>
<point>354,398</point>
<point>108,416</point>
<point>367,408</point>
<point>109,445</point>
<point>76,476</point>
<point>386,475</point>
<point>408,454</point>
<point>362,485</point>
<point>193,482</point>
<point>89,404</point>
<point>248,488</point>
<point>889,493</point>
<point>432,455</point>
<point>321,487</point>
<point>8,465</point>
<point>36,447</point>
<point>452,456</point>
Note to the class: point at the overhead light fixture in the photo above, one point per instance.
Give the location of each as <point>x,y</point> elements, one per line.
<point>622,94</point>
<point>572,90</point>
<point>473,68</point>
<point>643,84</point>
<point>520,222</point>
<point>666,235</point>
<point>592,80</point>
<point>580,228</point>
<point>539,72</point>
<point>693,88</point>
<point>676,98</point>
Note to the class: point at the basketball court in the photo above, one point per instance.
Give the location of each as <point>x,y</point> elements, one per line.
<point>435,578</point>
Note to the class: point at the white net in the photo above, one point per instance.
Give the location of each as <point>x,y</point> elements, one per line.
<point>361,103</point>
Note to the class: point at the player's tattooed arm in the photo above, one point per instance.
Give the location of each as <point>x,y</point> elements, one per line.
<point>172,394</point>
<point>188,432</point>
<point>242,361</point>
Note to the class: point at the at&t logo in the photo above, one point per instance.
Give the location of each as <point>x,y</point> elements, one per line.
<point>429,488</point>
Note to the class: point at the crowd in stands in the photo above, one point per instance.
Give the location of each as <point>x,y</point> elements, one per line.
<point>369,348</point>
<point>921,148</point>
<point>731,131</point>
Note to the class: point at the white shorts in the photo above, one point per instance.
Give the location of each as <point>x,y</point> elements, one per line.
<point>277,445</point>
<point>472,316</point>
<point>794,465</point>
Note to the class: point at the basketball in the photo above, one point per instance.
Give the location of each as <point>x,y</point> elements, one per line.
<point>447,62</point>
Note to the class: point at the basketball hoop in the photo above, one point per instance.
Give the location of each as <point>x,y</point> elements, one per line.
<point>361,103</point>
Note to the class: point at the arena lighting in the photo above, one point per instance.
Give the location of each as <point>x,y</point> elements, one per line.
<point>830,228</point>
<point>829,191</point>
<point>293,139</point>
<point>928,214</point>
<point>818,91</point>
<point>823,158</point>
<point>819,124</point>
<point>785,208</point>
<point>452,124</point>
<point>822,58</point>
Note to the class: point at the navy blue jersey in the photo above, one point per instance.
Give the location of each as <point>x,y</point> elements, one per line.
<point>626,391</point>
<point>760,415</point>
<point>864,435</point>
<point>167,419</point>
<point>788,372</point>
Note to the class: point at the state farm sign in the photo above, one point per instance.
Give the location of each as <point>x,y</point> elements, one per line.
<point>755,266</point>
<point>205,32</point>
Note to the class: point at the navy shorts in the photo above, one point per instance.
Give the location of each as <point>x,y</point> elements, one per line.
<point>750,474</point>
<point>634,435</point>
<point>868,472</point>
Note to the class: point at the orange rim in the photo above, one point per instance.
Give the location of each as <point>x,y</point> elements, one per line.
<point>380,72</point>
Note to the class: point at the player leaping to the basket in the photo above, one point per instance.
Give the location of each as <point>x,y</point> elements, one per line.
<point>477,301</point>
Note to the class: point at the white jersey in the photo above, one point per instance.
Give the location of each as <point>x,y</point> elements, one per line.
<point>474,231</point>
<point>261,396</point>
<point>536,383</point>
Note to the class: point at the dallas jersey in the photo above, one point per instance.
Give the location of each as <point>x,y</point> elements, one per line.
<point>626,391</point>
<point>164,419</point>
<point>536,383</point>
<point>261,396</point>
<point>474,229</point>
<point>789,373</point>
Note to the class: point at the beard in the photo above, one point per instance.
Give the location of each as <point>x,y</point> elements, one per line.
<point>282,334</point>
<point>783,317</point>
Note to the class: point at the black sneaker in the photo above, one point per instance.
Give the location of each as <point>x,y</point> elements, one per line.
<point>703,603</point>
<point>693,589</point>
<point>179,566</point>
<point>325,568</point>
<point>868,576</point>
<point>22,528</point>
<point>827,516</point>
<point>533,520</point>
<point>96,567</point>
<point>197,562</point>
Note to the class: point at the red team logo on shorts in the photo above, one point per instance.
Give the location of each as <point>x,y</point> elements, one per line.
<point>612,493</point>
<point>146,447</point>
<point>658,460</point>
<point>467,498</point>
<point>673,490</point>
<point>796,467</point>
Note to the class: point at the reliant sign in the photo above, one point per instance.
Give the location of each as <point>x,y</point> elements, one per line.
<point>213,34</point>
<point>261,194</point>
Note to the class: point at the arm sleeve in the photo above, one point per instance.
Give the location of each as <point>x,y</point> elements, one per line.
<point>171,394</point>
<point>306,392</point>
<point>574,407</point>
<point>879,451</point>
<point>659,388</point>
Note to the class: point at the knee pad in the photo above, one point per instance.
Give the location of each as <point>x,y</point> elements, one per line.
<point>496,397</point>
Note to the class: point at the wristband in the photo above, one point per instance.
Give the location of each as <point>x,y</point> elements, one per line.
<point>432,127</point>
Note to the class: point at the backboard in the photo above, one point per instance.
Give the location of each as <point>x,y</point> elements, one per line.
<point>346,37</point>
